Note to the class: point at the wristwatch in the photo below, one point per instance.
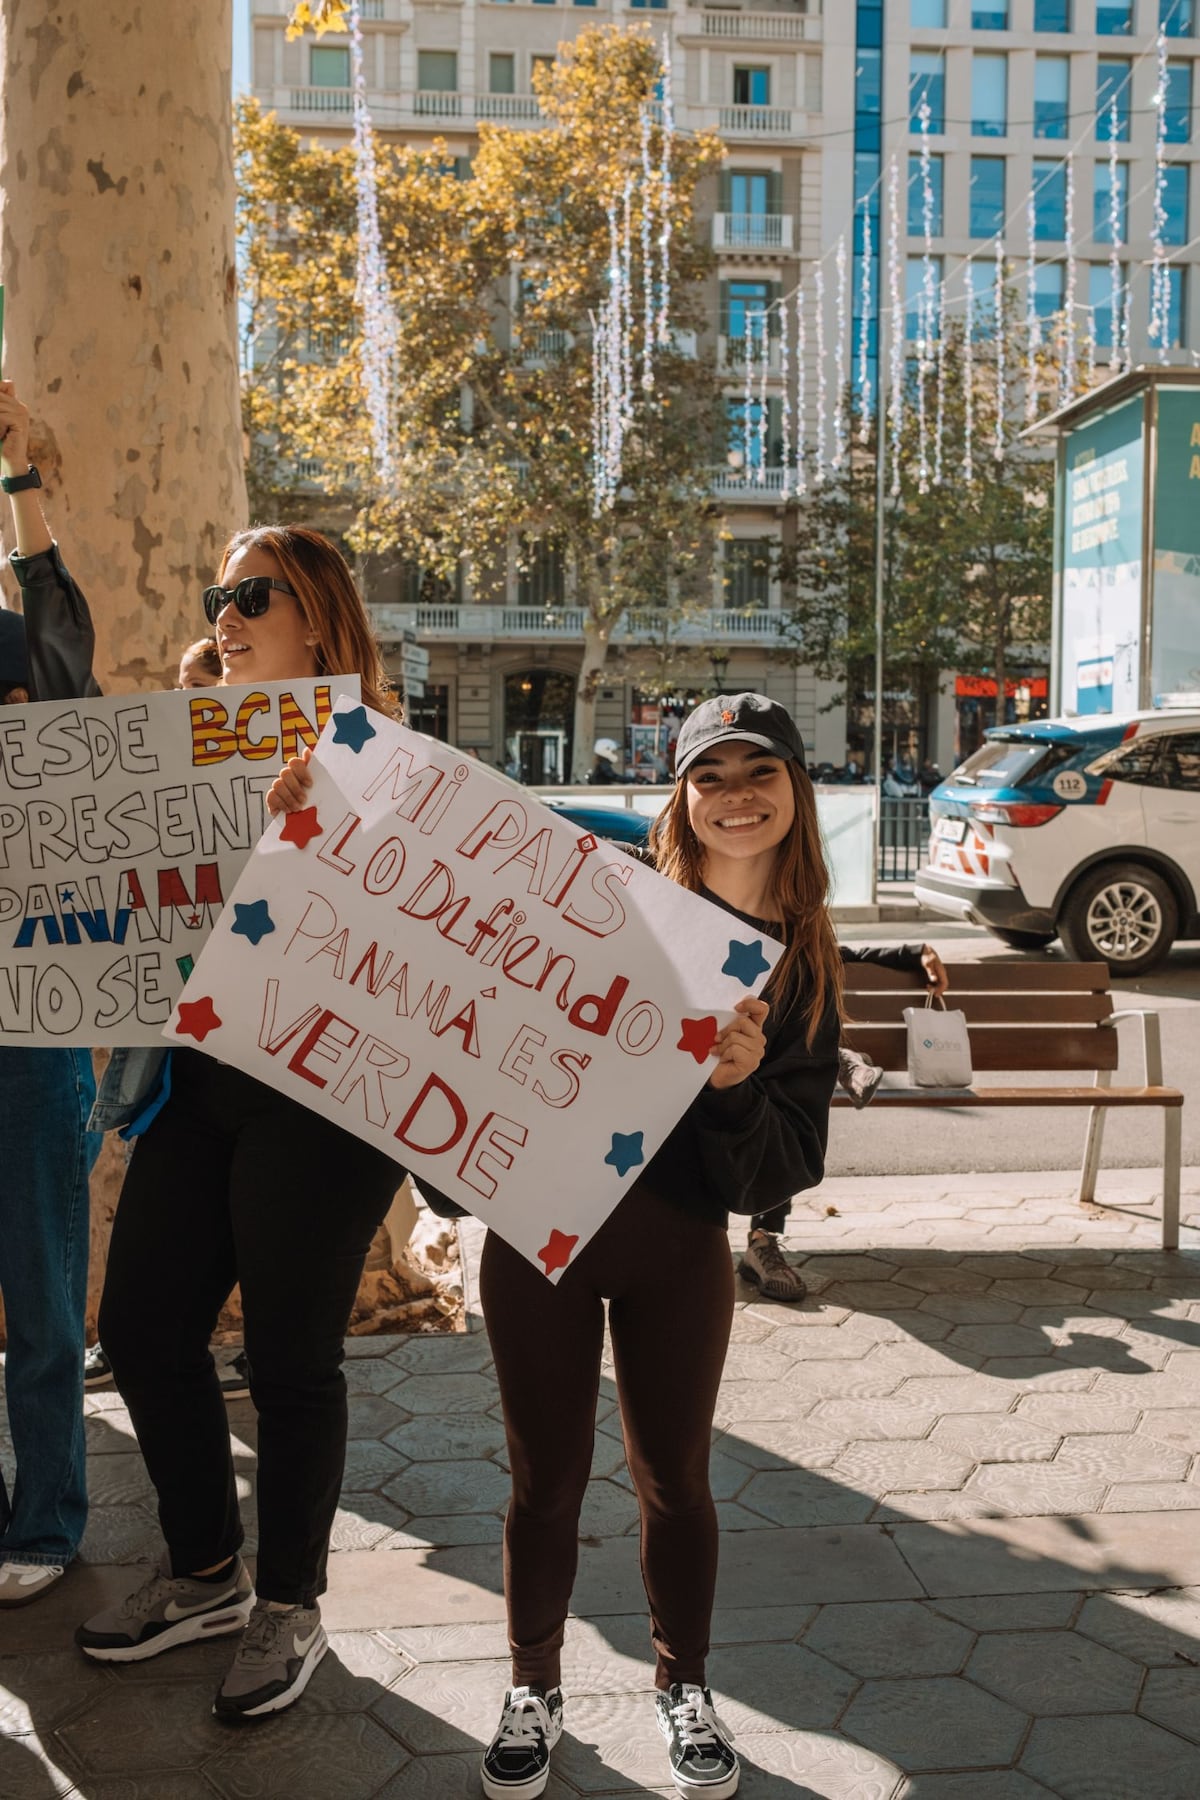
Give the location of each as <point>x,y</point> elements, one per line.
<point>17,484</point>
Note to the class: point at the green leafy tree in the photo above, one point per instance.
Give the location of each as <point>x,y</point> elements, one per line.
<point>497,273</point>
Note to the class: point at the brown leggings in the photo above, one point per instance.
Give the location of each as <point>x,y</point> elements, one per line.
<point>668,1279</point>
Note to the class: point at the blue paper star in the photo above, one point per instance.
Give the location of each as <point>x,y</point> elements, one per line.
<point>252,921</point>
<point>745,961</point>
<point>626,1152</point>
<point>352,728</point>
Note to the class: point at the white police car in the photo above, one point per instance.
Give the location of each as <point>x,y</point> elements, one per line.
<point>1086,829</point>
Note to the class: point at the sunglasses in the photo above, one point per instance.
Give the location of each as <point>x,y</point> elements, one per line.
<point>252,597</point>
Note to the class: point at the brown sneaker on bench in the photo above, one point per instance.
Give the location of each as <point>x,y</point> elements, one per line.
<point>768,1269</point>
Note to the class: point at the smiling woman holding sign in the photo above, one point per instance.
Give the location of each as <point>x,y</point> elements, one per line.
<point>234,1182</point>
<point>741,829</point>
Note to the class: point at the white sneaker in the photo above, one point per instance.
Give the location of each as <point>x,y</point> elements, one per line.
<point>22,1582</point>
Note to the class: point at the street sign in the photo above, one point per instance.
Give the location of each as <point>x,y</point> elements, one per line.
<point>414,662</point>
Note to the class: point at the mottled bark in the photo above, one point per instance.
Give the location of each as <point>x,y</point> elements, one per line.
<point>588,684</point>
<point>117,254</point>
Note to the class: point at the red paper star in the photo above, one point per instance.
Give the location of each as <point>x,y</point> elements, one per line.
<point>557,1253</point>
<point>698,1037</point>
<point>197,1018</point>
<point>301,827</point>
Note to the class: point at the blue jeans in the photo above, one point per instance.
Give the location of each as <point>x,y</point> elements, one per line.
<point>46,1155</point>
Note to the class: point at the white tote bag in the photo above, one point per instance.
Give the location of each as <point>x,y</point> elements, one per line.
<point>939,1050</point>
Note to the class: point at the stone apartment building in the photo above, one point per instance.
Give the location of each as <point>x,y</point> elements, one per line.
<point>812,98</point>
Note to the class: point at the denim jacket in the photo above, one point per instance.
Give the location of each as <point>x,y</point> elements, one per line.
<point>133,1089</point>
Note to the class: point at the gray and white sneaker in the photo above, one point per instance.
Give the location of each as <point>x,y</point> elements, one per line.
<point>704,1763</point>
<point>765,1267</point>
<point>168,1610</point>
<point>517,1761</point>
<point>280,1648</point>
<point>21,1582</point>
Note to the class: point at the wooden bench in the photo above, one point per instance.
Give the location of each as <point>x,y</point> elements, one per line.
<point>1031,1018</point>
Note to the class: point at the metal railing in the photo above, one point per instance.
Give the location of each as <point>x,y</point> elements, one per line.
<point>903,837</point>
<point>752,231</point>
<point>507,106</point>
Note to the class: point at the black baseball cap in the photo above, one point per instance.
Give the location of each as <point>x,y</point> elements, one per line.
<point>751,717</point>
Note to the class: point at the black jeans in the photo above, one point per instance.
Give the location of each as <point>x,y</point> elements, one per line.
<point>234,1182</point>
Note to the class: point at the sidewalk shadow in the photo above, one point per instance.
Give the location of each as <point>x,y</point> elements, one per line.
<point>809,1650</point>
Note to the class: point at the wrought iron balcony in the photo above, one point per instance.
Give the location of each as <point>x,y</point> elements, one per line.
<point>769,232</point>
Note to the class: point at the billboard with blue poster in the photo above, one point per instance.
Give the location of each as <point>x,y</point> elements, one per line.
<point>1100,562</point>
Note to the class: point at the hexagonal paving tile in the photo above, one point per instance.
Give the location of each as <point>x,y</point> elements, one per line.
<point>466,1393</point>
<point>456,1438</point>
<point>897,1637</point>
<point>446,1532</point>
<point>935,1722</point>
<point>862,1421</point>
<point>804,1497</point>
<point>1010,1612</point>
<point>449,1487</point>
<point>777,1687</point>
<point>995,1784</point>
<point>315,1755</point>
<point>805,1763</point>
<point>902,1465</point>
<point>780,1444</point>
<point>1083,1758</point>
<point>1073,1414</point>
<point>445,1706</point>
<point>1172,1425</point>
<point>38,1692</point>
<point>1117,1458</point>
<point>444,1353</point>
<point>1171,1697</point>
<point>995,1437</point>
<point>1155,1629</point>
<point>146,1729</point>
<point>369,1464</point>
<point>998,1340</point>
<point>1027,1489</point>
<point>1054,1672</point>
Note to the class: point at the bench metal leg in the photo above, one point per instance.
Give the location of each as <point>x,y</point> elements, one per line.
<point>1093,1142</point>
<point>1172,1152</point>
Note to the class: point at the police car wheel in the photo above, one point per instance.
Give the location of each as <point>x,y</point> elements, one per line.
<point>1023,940</point>
<point>1122,914</point>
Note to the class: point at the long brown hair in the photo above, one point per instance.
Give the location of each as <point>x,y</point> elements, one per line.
<point>332,606</point>
<point>811,964</point>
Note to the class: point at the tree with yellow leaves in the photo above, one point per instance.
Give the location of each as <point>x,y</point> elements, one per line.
<point>498,274</point>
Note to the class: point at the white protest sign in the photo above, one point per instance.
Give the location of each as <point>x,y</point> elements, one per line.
<point>123,825</point>
<point>446,968</point>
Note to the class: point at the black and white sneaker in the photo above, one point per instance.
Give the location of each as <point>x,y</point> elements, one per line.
<point>97,1370</point>
<point>517,1761</point>
<point>235,1379</point>
<point>703,1761</point>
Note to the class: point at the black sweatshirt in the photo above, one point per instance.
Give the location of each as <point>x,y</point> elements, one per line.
<point>746,1148</point>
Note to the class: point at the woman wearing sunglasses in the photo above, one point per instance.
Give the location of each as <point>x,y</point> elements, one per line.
<point>232,1182</point>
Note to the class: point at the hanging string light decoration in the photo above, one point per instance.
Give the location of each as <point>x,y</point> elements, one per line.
<point>748,348</point>
<point>1089,347</point>
<point>1001,371</point>
<point>939,430</point>
<point>968,462</point>
<point>841,343</point>
<point>925,311</point>
<point>666,194</point>
<point>380,342</point>
<point>627,301</point>
<point>1159,278</point>
<point>864,330</point>
<point>896,312</point>
<point>785,400</point>
<point>1067,368</point>
<point>1116,360</point>
<point>801,390</point>
<point>610,410</point>
<point>649,318</point>
<point>1033,324</point>
<point>764,363</point>
<point>822,450</point>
